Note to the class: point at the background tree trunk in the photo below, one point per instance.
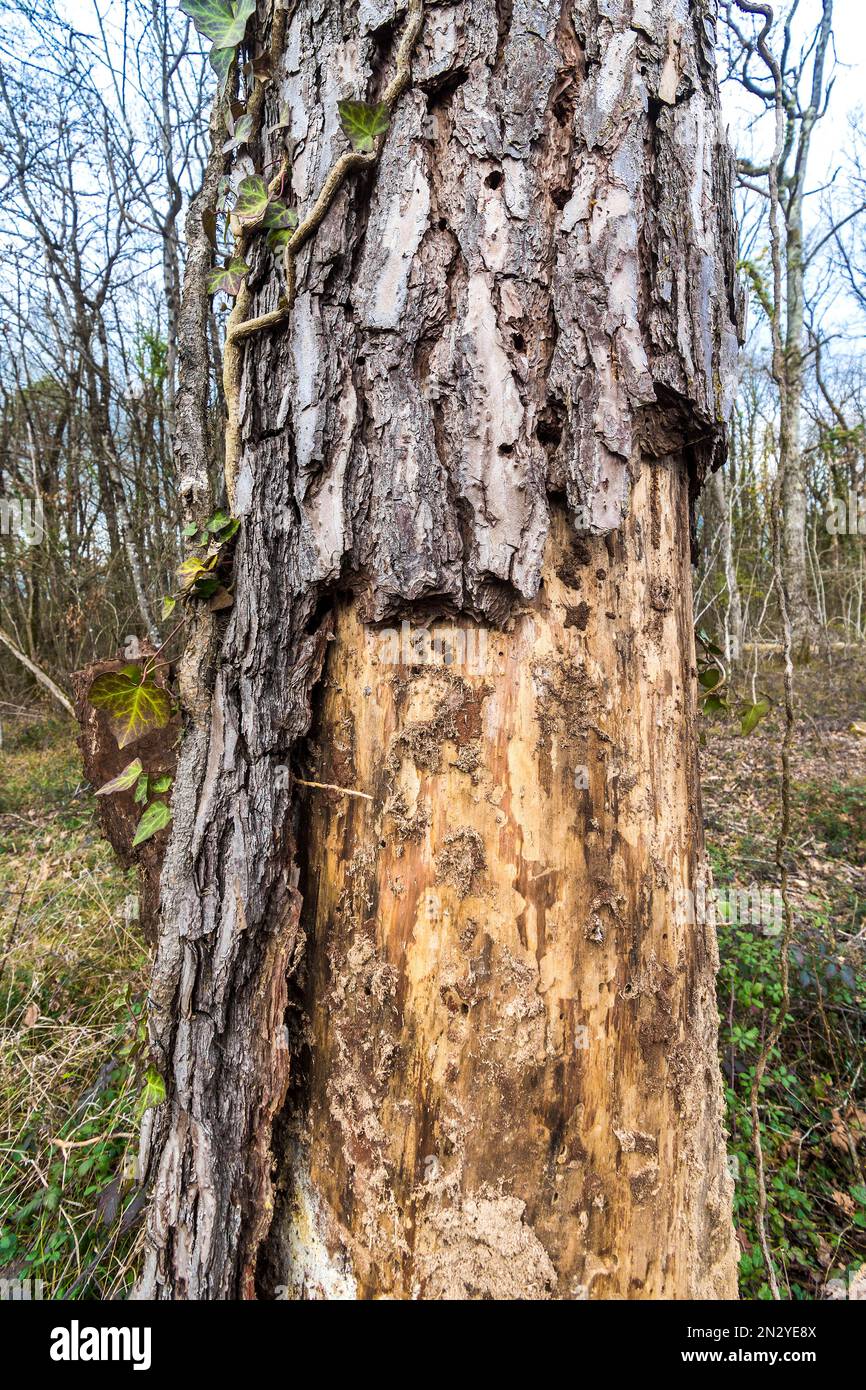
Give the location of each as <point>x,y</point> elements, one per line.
<point>720,495</point>
<point>790,458</point>
<point>504,378</point>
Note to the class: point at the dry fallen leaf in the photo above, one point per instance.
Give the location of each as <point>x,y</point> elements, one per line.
<point>31,1013</point>
<point>825,1254</point>
<point>845,1202</point>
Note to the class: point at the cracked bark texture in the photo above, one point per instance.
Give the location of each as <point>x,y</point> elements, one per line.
<point>519,329</point>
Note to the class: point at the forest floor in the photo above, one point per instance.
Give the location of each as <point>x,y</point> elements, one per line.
<point>73,972</point>
<point>814,1091</point>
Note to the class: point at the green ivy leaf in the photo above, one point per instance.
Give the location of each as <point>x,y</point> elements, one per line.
<point>227,531</point>
<point>243,129</point>
<point>207,585</point>
<point>218,521</point>
<point>753,714</point>
<point>707,643</point>
<point>362,123</point>
<point>280,218</point>
<point>156,817</point>
<point>133,705</point>
<point>227,278</point>
<point>162,784</point>
<point>124,780</point>
<point>252,200</point>
<point>221,60</point>
<point>221,21</point>
<point>152,1092</point>
<point>281,223</point>
<point>713,704</point>
<point>277,240</point>
<point>709,677</point>
<point>141,789</point>
<point>168,606</point>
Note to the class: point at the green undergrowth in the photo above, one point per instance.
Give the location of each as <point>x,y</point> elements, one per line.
<point>813,1096</point>
<point>72,984</point>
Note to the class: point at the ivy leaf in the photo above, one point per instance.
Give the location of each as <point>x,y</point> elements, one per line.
<point>280,218</point>
<point>260,67</point>
<point>227,278</point>
<point>191,569</point>
<point>252,200</point>
<point>141,789</point>
<point>221,599</point>
<point>277,240</point>
<point>156,817</point>
<point>196,575</point>
<point>707,643</point>
<point>243,129</point>
<point>124,780</point>
<point>281,223</point>
<point>713,704</point>
<point>219,521</point>
<point>134,706</point>
<point>207,585</point>
<point>224,188</point>
<point>221,60</point>
<point>221,21</point>
<point>753,714</point>
<point>168,606</point>
<point>362,123</point>
<point>162,784</point>
<point>284,119</point>
<point>709,677</point>
<point>152,1092</point>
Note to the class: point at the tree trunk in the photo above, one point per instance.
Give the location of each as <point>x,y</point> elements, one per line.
<point>720,491</point>
<point>791,464</point>
<point>794,509</point>
<point>460,1009</point>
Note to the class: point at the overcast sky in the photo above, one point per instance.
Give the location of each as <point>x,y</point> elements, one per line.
<point>831,138</point>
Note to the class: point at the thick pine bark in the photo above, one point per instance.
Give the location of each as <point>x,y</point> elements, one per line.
<point>504,376</point>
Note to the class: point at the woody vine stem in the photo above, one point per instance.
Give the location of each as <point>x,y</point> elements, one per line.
<point>240,327</point>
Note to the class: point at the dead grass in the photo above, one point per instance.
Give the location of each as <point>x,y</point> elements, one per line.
<point>72,984</point>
